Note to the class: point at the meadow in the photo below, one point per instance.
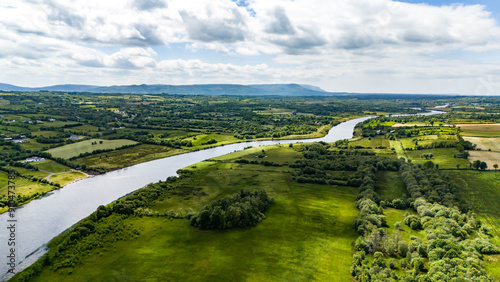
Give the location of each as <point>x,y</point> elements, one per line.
<point>441,156</point>
<point>307,233</point>
<point>126,157</point>
<point>480,190</point>
<point>75,149</point>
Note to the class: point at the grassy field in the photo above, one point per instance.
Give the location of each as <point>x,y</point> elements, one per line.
<point>393,216</point>
<point>489,158</point>
<point>24,171</point>
<point>66,178</point>
<point>280,154</point>
<point>126,157</point>
<point>75,149</point>
<point>198,140</point>
<point>398,147</point>
<point>307,234</point>
<point>389,186</point>
<point>51,166</point>
<point>23,186</point>
<point>371,142</point>
<point>442,156</point>
<point>480,130</point>
<point>481,191</point>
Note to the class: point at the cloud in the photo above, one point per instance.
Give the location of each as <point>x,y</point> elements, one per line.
<point>147,5</point>
<point>303,42</point>
<point>229,29</point>
<point>281,24</point>
<point>345,44</point>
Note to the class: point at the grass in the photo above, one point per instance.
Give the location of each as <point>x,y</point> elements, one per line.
<point>23,186</point>
<point>322,131</point>
<point>442,156</point>
<point>389,185</point>
<point>66,178</point>
<point>34,146</point>
<point>75,149</point>
<point>51,166</point>
<point>46,133</point>
<point>393,216</point>
<point>281,154</point>
<point>481,191</point>
<point>398,147</point>
<point>126,157</point>
<point>371,142</point>
<point>24,171</point>
<point>307,234</point>
<point>203,138</point>
<point>480,133</point>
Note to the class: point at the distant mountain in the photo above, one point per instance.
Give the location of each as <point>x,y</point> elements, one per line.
<point>9,87</point>
<point>69,88</point>
<point>62,87</point>
<point>312,87</point>
<point>196,89</point>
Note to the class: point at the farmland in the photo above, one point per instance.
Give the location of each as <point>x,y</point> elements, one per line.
<point>87,146</point>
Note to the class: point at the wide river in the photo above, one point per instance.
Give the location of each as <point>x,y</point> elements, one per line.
<point>43,219</point>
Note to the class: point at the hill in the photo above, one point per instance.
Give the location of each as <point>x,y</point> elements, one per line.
<point>197,89</point>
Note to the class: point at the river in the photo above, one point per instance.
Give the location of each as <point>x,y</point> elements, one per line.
<point>43,219</point>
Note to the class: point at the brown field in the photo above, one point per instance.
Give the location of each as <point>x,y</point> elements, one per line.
<point>485,143</point>
<point>490,158</point>
<point>483,126</point>
<point>419,125</point>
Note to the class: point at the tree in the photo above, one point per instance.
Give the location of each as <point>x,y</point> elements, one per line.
<point>458,166</point>
<point>495,166</point>
<point>429,165</point>
<point>402,248</point>
<point>483,166</point>
<point>476,164</point>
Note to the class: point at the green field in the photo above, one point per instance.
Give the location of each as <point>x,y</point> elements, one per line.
<point>307,234</point>
<point>371,142</point>
<point>126,157</point>
<point>51,166</point>
<point>389,185</point>
<point>75,149</point>
<point>480,133</point>
<point>198,140</point>
<point>481,191</point>
<point>442,156</point>
<point>24,171</point>
<point>394,216</point>
<point>66,178</point>
<point>280,154</point>
<point>24,187</point>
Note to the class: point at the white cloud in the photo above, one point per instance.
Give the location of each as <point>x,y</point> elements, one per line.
<point>341,45</point>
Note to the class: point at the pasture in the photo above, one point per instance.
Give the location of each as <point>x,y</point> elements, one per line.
<point>126,157</point>
<point>307,233</point>
<point>75,149</point>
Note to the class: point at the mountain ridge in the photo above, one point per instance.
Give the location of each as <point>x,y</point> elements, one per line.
<point>291,89</point>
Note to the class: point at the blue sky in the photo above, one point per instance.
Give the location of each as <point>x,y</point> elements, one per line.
<point>354,46</point>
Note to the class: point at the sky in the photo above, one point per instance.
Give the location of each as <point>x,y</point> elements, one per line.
<point>368,46</point>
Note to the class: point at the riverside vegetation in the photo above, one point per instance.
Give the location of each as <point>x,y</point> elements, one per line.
<point>402,201</point>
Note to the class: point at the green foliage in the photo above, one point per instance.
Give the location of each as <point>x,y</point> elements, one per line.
<point>240,210</point>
